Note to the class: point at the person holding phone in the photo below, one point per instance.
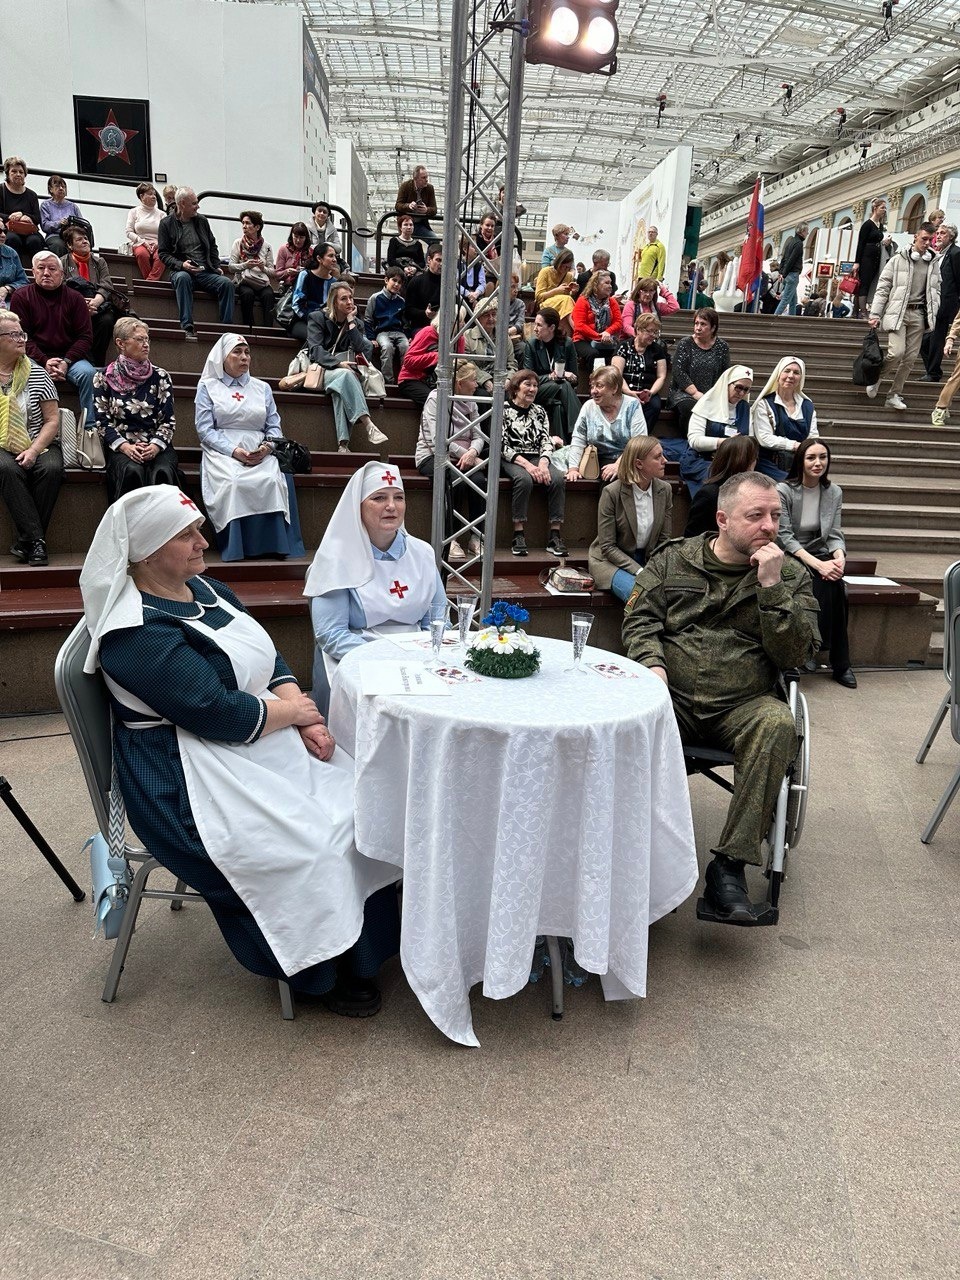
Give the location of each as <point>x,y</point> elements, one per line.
<point>336,340</point>
<point>418,197</point>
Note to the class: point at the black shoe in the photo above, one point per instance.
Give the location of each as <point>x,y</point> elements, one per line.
<point>726,889</point>
<point>519,545</point>
<point>20,550</point>
<point>353,998</point>
<point>846,678</point>
<point>37,552</point>
<point>555,544</point>
<point>811,665</point>
<point>189,334</point>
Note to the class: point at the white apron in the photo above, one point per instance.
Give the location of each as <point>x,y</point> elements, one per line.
<point>275,820</point>
<point>230,490</point>
<point>400,590</point>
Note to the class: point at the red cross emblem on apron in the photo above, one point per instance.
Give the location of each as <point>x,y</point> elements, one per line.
<point>398,590</point>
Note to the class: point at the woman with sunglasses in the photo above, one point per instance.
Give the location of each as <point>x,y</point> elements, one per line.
<point>723,412</point>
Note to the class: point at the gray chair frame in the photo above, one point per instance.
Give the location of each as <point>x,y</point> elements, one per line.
<point>951,637</point>
<point>951,602</point>
<point>86,708</point>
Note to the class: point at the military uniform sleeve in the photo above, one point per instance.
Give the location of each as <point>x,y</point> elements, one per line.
<point>788,619</point>
<point>645,613</point>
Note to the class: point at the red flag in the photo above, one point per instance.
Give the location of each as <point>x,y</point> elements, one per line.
<point>751,255</point>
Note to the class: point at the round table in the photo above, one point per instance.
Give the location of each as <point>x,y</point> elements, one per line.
<point>556,804</point>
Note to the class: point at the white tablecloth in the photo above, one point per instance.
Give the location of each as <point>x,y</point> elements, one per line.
<point>556,804</point>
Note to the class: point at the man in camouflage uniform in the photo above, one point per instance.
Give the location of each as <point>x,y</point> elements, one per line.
<point>717,618</point>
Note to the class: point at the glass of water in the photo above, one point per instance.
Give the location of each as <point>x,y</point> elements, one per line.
<point>438,616</point>
<point>580,625</point>
<point>466,607</point>
<point>560,367</point>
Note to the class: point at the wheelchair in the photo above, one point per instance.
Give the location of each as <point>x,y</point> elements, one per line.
<point>789,812</point>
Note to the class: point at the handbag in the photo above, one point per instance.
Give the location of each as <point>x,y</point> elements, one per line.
<point>80,447</point>
<point>110,872</point>
<point>293,457</point>
<point>285,315</point>
<point>849,285</point>
<point>297,371</point>
<point>868,365</point>
<point>371,379</point>
<point>563,579</point>
<point>589,466</point>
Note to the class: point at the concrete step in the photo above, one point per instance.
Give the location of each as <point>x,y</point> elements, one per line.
<point>844,466</point>
<point>916,491</point>
<point>945,519</point>
<point>921,569</point>
<point>896,429</point>
<point>877,539</point>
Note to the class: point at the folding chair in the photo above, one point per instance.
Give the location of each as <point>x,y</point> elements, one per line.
<point>951,637</point>
<point>951,602</point>
<point>86,707</point>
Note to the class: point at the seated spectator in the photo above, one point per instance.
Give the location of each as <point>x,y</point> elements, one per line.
<point>723,412</point>
<point>423,291</point>
<point>607,420</point>
<point>322,230</point>
<point>525,461</point>
<point>553,359</point>
<point>383,322</point>
<point>20,210</point>
<point>404,250</point>
<point>465,445</point>
<point>312,289</point>
<point>12,274</point>
<point>556,287</point>
<point>697,364</point>
<point>31,464</point>
<point>516,317</point>
<point>56,321</point>
<point>417,196</point>
<point>134,404</point>
<point>369,576</point>
<point>169,199</point>
<point>143,227</point>
<point>561,234</point>
<point>815,302</point>
<point>695,274</point>
<point>479,342</point>
<point>810,506</point>
<point>54,213</point>
<point>251,265</point>
<point>649,297</point>
<point>733,455</point>
<point>336,341</point>
<point>653,259</point>
<point>600,262</point>
<point>783,417</point>
<point>488,246</point>
<point>471,277</point>
<point>418,372</point>
<point>88,274</point>
<point>596,323</point>
<point>293,256</point>
<point>519,209</point>
<point>251,503</point>
<point>633,519</point>
<point>188,249</point>
<point>643,363</point>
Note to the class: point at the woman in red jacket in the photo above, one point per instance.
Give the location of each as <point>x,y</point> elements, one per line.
<point>418,373</point>
<point>596,323</point>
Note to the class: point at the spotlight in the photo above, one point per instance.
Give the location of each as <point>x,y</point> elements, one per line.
<point>578,35</point>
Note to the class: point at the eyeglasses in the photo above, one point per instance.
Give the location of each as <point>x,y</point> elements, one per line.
<point>16,334</point>
<point>744,391</point>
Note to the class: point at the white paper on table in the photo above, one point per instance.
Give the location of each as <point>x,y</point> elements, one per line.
<point>379,676</point>
<point>856,581</point>
<point>554,592</point>
<point>420,642</point>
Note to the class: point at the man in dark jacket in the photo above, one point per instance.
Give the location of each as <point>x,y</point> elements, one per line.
<point>186,245</point>
<point>423,291</point>
<point>932,348</point>
<point>791,264</point>
<point>416,196</point>
<point>553,358</point>
<point>56,320</point>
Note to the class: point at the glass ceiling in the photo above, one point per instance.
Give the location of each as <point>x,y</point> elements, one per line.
<point>721,63</point>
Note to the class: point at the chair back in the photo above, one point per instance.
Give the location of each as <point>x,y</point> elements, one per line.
<point>86,708</point>
<point>951,603</point>
<point>951,633</point>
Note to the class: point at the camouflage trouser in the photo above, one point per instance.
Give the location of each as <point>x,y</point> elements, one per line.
<point>762,736</point>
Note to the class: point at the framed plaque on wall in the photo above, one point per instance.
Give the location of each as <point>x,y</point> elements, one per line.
<point>113,137</point>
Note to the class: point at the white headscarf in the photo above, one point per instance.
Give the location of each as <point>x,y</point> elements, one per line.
<point>771,382</point>
<point>213,370</point>
<point>344,557</point>
<point>715,404</point>
<point>134,527</point>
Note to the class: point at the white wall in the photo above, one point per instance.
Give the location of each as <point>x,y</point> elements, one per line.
<point>660,200</point>
<point>595,224</point>
<point>348,188</point>
<point>224,83</point>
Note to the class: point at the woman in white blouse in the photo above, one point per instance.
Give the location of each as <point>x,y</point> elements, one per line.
<point>634,517</point>
<point>783,417</point>
<point>465,444</point>
<point>143,222</point>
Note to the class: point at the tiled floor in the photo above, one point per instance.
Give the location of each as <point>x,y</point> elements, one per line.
<point>784,1103</point>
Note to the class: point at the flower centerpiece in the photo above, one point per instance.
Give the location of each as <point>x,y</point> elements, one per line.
<point>503,648</point>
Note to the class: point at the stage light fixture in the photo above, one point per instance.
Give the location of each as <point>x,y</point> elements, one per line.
<point>578,35</point>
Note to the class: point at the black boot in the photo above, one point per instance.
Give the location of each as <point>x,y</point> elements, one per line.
<point>726,889</point>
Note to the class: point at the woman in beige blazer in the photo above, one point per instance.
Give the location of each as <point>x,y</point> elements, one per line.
<point>634,517</point>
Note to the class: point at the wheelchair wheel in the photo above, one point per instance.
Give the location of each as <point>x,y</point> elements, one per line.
<point>800,780</point>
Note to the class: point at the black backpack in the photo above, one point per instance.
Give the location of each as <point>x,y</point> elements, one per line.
<point>868,365</point>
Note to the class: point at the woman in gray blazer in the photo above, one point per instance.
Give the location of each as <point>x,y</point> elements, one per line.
<point>810,531</point>
<point>634,516</point>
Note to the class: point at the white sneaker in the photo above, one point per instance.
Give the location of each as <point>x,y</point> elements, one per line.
<point>475,546</point>
<point>893,401</point>
<point>872,390</point>
<point>456,552</point>
<point>374,434</point>
<point>939,417</point>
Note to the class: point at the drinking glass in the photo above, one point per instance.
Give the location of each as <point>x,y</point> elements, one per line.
<point>580,625</point>
<point>438,616</point>
<point>466,607</point>
<point>560,367</point>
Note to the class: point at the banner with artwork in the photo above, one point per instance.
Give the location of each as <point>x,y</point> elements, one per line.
<point>660,202</point>
<point>113,138</point>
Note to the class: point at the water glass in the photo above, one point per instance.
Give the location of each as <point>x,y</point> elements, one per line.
<point>580,625</point>
<point>466,607</point>
<point>559,367</point>
<point>438,616</point>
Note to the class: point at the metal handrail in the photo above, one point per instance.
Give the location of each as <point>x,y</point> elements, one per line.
<point>395,213</point>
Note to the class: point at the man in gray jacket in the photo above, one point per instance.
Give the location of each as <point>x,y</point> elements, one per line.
<point>905,306</point>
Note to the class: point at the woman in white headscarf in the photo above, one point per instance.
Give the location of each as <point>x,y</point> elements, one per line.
<point>369,576</point>
<point>720,413</point>
<point>783,417</point>
<point>228,772</point>
<point>251,503</point>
